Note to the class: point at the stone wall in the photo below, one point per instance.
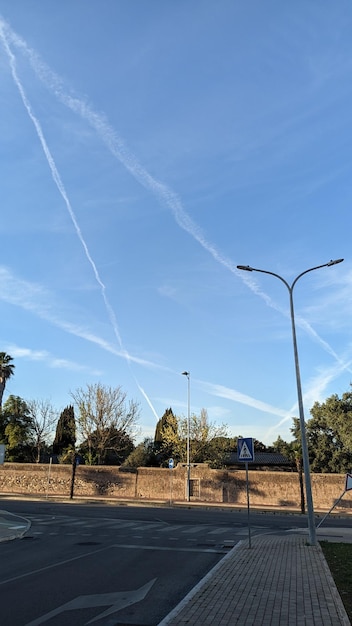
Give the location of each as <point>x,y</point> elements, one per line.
<point>267,489</point>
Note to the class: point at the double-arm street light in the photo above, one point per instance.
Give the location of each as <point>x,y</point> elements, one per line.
<point>188,488</point>
<point>305,455</point>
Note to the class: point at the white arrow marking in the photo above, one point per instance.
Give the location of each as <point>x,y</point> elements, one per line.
<point>117,601</point>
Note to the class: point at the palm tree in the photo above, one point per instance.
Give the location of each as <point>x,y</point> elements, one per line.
<point>6,371</point>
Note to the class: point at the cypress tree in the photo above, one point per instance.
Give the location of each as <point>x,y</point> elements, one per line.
<point>163,422</point>
<point>65,437</point>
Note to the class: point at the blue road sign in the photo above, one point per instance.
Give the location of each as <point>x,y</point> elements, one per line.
<point>171,463</point>
<point>245,449</point>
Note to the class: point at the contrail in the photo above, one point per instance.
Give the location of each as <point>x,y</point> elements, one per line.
<point>61,188</point>
<point>236,396</point>
<point>57,179</point>
<point>316,387</point>
<point>31,297</point>
<point>300,321</point>
<point>116,146</point>
<point>146,398</point>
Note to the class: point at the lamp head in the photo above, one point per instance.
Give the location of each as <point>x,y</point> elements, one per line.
<point>247,268</point>
<point>334,262</point>
<point>185,373</point>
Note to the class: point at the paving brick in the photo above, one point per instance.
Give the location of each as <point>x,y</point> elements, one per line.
<point>279,581</point>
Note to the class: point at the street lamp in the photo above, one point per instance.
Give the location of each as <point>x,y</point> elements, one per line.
<point>188,374</point>
<point>305,456</point>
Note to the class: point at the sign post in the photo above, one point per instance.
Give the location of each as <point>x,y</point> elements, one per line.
<point>245,453</point>
<point>348,486</point>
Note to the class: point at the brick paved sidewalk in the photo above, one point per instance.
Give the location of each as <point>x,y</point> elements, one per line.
<point>280,581</point>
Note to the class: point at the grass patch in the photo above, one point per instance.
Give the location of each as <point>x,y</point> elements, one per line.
<point>339,559</point>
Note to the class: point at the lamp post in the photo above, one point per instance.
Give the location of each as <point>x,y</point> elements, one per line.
<point>188,374</point>
<point>305,455</point>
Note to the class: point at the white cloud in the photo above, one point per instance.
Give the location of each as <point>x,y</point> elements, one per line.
<point>40,301</point>
<point>50,360</point>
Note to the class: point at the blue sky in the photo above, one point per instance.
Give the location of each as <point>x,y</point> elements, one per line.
<point>148,148</point>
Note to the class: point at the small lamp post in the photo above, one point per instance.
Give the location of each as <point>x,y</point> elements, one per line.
<point>188,494</point>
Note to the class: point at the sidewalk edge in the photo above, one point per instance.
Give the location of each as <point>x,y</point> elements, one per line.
<point>334,590</point>
<point>178,608</point>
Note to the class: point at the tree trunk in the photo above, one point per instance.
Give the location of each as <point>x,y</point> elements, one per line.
<point>2,389</point>
<point>301,487</point>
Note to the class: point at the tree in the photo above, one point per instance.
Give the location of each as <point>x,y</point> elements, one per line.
<point>6,371</point>
<point>143,455</point>
<point>166,439</point>
<point>43,416</point>
<point>173,436</point>
<point>218,449</point>
<point>105,420</point>
<point>117,446</point>
<point>329,433</point>
<point>16,428</point>
<point>202,434</point>
<point>65,436</point>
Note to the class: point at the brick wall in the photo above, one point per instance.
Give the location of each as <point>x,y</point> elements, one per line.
<point>267,489</point>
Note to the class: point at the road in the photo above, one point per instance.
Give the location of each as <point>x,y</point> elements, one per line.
<point>113,565</point>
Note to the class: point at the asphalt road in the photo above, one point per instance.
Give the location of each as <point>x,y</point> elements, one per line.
<point>112,565</point>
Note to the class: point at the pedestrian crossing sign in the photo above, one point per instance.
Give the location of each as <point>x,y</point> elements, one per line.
<point>245,449</point>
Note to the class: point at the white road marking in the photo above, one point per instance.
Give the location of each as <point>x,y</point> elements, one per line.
<point>117,601</point>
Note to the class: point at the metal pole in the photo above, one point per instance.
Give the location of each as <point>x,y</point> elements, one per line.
<point>188,488</point>
<point>248,514</point>
<point>170,470</point>
<point>305,455</point>
<point>49,472</point>
<point>333,506</point>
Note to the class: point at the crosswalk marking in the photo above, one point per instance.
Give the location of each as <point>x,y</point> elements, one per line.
<point>110,524</point>
<point>128,526</point>
<point>170,528</point>
<point>168,549</point>
<point>221,531</point>
<point>193,529</point>
<point>148,525</point>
